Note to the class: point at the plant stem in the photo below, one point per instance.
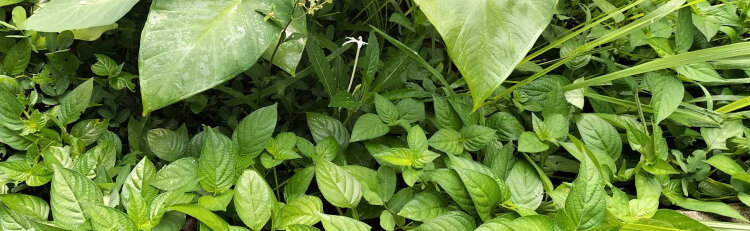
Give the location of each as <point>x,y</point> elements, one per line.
<point>282,37</point>
<point>355,214</point>
<point>354,69</point>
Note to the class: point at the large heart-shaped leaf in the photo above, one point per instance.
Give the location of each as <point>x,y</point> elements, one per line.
<point>486,39</point>
<point>189,48</point>
<point>60,15</point>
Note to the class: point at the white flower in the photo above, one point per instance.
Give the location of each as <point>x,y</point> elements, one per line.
<point>358,41</point>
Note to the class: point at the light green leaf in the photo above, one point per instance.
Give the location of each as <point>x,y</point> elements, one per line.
<point>69,193</point>
<point>445,116</point>
<point>450,221</point>
<point>585,207</point>
<point>387,221</point>
<point>217,202</point>
<point>447,140</point>
<point>298,183</point>
<point>416,139</point>
<point>167,144</point>
<point>254,131</point>
<point>176,174</point>
<point>217,160</point>
<point>139,180</point>
<point>342,223</point>
<point>528,142</point>
<point>18,57</point>
<point>424,206</point>
<point>729,166</point>
<point>666,93</point>
<point>110,219</point>
<point>302,228</point>
<point>221,39</point>
<point>322,126</point>
<point>399,156</point>
<point>61,15</point>
<point>337,186</point>
<point>680,221</point>
<point>205,216</point>
<point>290,50</point>
<point>253,199</point>
<point>410,110</point>
<point>75,102</point>
<point>26,204</point>
<point>387,111</point>
<point>508,127</point>
<point>487,29</point>
<point>300,210</point>
<point>526,189</point>
<point>483,190</point>
<point>599,135</point>
<point>475,137</point>
<point>368,126</point>
<point>10,110</point>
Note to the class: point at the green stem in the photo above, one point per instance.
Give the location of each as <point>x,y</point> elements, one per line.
<point>355,214</point>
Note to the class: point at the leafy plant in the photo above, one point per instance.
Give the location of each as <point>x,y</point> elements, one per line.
<point>447,115</point>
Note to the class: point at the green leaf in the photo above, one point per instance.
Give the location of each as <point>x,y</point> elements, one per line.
<point>528,142</point>
<point>105,66</point>
<point>387,222</point>
<point>139,180</point>
<point>445,116</point>
<point>386,182</point>
<point>508,127</point>
<point>680,221</point>
<point>729,166</point>
<point>447,140</point>
<point>450,221</point>
<point>26,204</point>
<point>424,206</point>
<point>302,228</point>
<point>300,210</point>
<point>253,199</point>
<point>18,57</point>
<point>205,216</point>
<point>525,186</point>
<point>167,144</point>
<point>322,126</point>
<point>298,183</point>
<point>485,31</point>
<point>387,111</point>
<point>216,163</point>
<point>222,40</point>
<point>176,174</point>
<point>599,135</point>
<point>585,207</point>
<point>417,139</point>
<point>410,110</point>
<point>341,223</point>
<point>323,68</point>
<point>368,126</point>
<point>483,190</point>
<point>254,131</point>
<point>475,137</point>
<point>10,110</point>
<point>406,157</point>
<point>337,186</point>
<point>706,206</point>
<point>75,102</point>
<point>61,15</point>
<point>216,202</point>
<point>683,32</point>
<point>290,50</point>
<point>69,193</point>
<point>107,218</point>
<point>666,93</point>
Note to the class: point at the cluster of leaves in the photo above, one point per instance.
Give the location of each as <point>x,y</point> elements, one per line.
<point>450,115</point>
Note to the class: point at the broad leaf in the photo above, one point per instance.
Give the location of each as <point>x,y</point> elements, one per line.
<point>342,223</point>
<point>424,206</point>
<point>486,39</point>
<point>450,221</point>
<point>585,207</point>
<point>75,102</point>
<point>254,131</point>
<point>666,93</point>
<point>176,174</point>
<point>70,192</point>
<point>337,186</point>
<point>253,199</point>
<point>217,162</point>
<point>189,48</point>
<point>300,210</point>
<point>525,186</point>
<point>368,126</point>
<point>61,15</point>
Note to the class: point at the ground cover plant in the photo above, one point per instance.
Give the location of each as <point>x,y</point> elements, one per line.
<point>374,114</point>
